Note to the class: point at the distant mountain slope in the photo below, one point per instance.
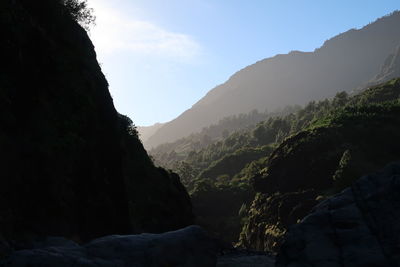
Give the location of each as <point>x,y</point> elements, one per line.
<point>146,132</point>
<point>344,62</point>
<point>390,69</point>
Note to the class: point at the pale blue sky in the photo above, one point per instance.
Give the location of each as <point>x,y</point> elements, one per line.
<point>162,56</point>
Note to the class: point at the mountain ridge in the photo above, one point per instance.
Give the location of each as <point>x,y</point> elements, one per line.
<point>355,56</point>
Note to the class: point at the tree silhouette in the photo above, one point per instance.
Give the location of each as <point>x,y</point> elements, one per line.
<point>80,12</point>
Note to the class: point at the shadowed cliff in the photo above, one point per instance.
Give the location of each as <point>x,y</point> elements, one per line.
<point>70,164</point>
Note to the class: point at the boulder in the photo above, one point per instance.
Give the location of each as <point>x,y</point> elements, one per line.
<point>358,227</point>
<point>190,247</point>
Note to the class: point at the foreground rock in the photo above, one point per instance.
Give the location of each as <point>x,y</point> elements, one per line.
<point>358,227</point>
<point>190,246</point>
<point>245,258</point>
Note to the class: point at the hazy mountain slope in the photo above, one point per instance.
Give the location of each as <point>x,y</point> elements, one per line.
<point>343,63</point>
<point>390,69</point>
<point>146,132</point>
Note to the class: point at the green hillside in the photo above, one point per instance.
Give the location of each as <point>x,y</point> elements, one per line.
<point>351,141</point>
<point>223,173</point>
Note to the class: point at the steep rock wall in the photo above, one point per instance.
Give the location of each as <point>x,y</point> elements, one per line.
<point>70,164</point>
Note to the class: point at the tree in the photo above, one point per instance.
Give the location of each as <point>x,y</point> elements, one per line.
<point>128,126</point>
<point>80,12</point>
<point>340,99</point>
<point>260,132</point>
<point>185,171</point>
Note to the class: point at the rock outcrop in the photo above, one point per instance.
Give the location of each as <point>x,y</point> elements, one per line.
<point>358,227</point>
<point>70,164</point>
<point>271,215</point>
<point>188,247</point>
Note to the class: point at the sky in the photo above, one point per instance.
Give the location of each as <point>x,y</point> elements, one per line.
<point>160,57</point>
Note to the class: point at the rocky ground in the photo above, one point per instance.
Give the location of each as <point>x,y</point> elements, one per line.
<point>190,247</point>
<point>245,258</point>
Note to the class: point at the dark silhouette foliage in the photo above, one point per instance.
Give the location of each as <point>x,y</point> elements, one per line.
<point>52,11</point>
<point>80,12</point>
<point>70,164</point>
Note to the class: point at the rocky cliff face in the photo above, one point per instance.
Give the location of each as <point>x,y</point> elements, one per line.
<point>320,161</point>
<point>70,164</point>
<point>358,227</point>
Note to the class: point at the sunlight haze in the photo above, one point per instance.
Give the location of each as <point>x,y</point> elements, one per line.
<point>161,57</point>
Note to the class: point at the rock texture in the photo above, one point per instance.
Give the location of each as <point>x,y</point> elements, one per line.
<point>358,227</point>
<point>242,258</point>
<point>271,215</point>
<point>188,247</point>
<point>70,164</point>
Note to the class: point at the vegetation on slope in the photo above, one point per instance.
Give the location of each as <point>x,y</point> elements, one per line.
<point>327,156</point>
<point>229,166</point>
<point>225,165</point>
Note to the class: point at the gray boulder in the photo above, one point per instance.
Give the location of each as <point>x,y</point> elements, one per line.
<point>358,227</point>
<point>190,246</point>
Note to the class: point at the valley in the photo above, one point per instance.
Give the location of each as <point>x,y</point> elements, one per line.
<point>293,161</point>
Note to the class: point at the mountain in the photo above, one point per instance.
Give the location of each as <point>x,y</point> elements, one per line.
<point>146,132</point>
<point>70,164</point>
<point>219,175</point>
<point>321,160</point>
<point>390,69</point>
<point>343,63</point>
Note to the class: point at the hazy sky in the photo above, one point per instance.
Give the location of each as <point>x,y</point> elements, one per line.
<point>162,56</point>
